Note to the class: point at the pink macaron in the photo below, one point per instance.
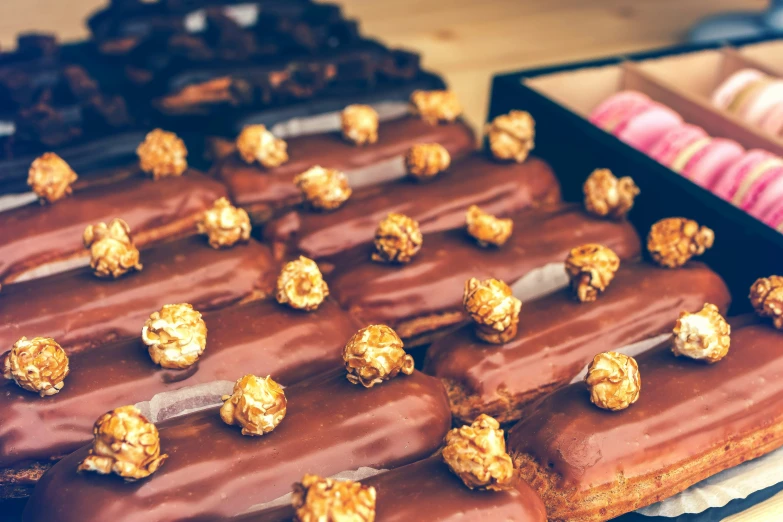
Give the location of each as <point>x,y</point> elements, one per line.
<point>744,182</point>
<point>614,112</point>
<point>671,145</point>
<point>646,128</point>
<point>707,164</point>
<point>767,195</point>
<point>733,85</point>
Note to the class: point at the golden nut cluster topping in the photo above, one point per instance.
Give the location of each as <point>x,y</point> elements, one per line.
<point>126,444</point>
<point>512,136</point>
<point>427,160</point>
<point>112,252</point>
<point>477,455</point>
<point>176,335</point>
<point>317,499</point>
<point>360,124</point>
<point>606,195</point>
<point>704,335</point>
<point>397,239</point>
<point>493,308</point>
<point>50,177</point>
<point>673,241</point>
<point>613,380</point>
<point>324,189</point>
<point>38,365</point>
<point>591,268</point>
<point>162,154</point>
<point>486,228</point>
<point>300,285</point>
<point>224,224</point>
<point>436,106</point>
<point>766,296</point>
<point>256,404</point>
<point>374,354</point>
<point>256,143</point>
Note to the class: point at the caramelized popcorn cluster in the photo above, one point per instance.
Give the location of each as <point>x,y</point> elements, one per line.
<point>477,455</point>
<point>301,285</point>
<point>590,269</point>
<point>39,365</point>
<point>512,136</point>
<point>397,239</point>
<point>324,189</point>
<point>486,228</point>
<point>375,354</point>
<point>613,380</point>
<point>126,444</point>
<point>673,241</point>
<point>491,305</point>
<point>162,154</point>
<point>360,124</point>
<point>50,177</point>
<point>427,160</point>
<point>436,106</point>
<point>176,336</point>
<point>704,335</point>
<point>606,195</point>
<point>224,224</point>
<point>256,143</point>
<point>257,405</point>
<point>317,499</point>
<point>112,251</point>
<point>766,296</point>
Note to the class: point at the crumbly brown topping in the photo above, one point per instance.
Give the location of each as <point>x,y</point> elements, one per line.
<point>176,335</point>
<point>375,354</point>
<point>126,444</point>
<point>317,499</point>
<point>256,144</point>
<point>301,285</point>
<point>606,195</point>
<point>360,124</point>
<point>112,252</point>
<point>766,296</point>
<point>162,154</point>
<point>486,228</point>
<point>397,239</point>
<point>436,106</point>
<point>673,241</point>
<point>591,268</point>
<point>427,160</point>
<point>39,365</point>
<point>257,404</point>
<point>491,305</point>
<point>224,224</point>
<point>477,455</point>
<point>512,136</point>
<point>50,177</point>
<point>324,189</point>
<point>613,380</point>
<point>704,335</point>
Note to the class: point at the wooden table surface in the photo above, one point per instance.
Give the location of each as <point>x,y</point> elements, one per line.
<point>469,40</point>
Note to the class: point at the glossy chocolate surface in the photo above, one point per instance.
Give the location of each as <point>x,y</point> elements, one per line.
<point>498,188</point>
<point>261,337</point>
<point>558,335</point>
<point>427,491</point>
<point>36,234</point>
<point>433,282</point>
<point>81,311</point>
<point>251,185</point>
<point>213,471</point>
<point>686,408</point>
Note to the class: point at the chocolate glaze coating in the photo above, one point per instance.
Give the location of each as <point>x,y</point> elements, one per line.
<point>81,311</point>
<point>213,471</point>
<point>498,188</point>
<point>257,189</point>
<point>37,234</point>
<point>558,335</point>
<point>427,491</point>
<point>262,337</point>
